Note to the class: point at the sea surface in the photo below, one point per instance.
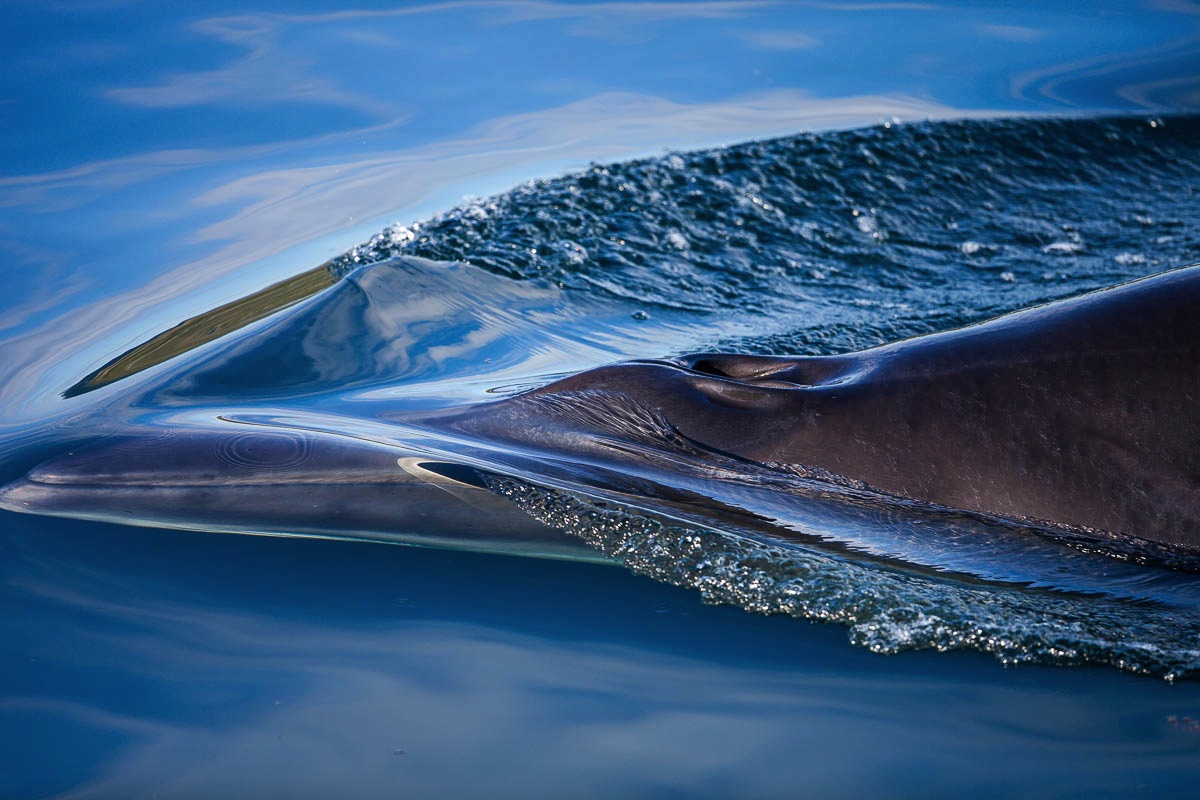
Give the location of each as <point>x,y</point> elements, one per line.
<point>320,224</point>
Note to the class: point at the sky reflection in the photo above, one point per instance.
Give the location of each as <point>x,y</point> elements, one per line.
<point>193,665</point>
<point>294,205</point>
<point>162,159</point>
<point>228,150</point>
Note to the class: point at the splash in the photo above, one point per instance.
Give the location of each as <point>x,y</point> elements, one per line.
<point>887,609</point>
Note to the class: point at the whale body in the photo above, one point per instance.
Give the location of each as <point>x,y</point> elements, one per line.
<point>1079,413</point>
<point>1083,413</point>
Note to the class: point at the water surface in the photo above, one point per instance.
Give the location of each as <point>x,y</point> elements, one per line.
<point>257,217</point>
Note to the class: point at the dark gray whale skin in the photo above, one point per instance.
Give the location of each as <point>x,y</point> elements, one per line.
<point>1083,412</point>
<point>238,478</point>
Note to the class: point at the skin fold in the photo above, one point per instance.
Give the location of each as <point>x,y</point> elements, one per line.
<point>1081,412</point>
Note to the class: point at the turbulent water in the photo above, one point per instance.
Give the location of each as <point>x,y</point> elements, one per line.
<point>820,243</point>
<point>812,244</point>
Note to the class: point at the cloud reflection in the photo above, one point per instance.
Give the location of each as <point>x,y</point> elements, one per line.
<point>1123,72</point>
<point>266,74</point>
<point>1012,33</point>
<point>193,217</point>
<point>69,188</point>
<point>284,208</point>
<point>604,126</point>
<point>449,695</point>
<point>780,40</point>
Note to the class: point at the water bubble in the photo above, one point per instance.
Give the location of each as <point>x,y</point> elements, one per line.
<point>575,253</point>
<point>1063,248</point>
<point>400,235</point>
<point>885,610</point>
<point>866,223</point>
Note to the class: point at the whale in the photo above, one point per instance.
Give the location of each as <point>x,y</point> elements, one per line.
<point>235,476</point>
<point>1082,413</point>
<point>1079,414</point>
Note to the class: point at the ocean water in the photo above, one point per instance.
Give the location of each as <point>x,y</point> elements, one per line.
<point>202,341</point>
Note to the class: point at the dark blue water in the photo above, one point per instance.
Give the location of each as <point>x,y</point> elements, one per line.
<point>187,290</point>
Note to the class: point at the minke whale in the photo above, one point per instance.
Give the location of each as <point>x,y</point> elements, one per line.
<point>236,476</point>
<point>1081,414</point>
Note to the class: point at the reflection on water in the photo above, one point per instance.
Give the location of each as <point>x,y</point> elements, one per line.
<point>204,328</point>
<point>242,667</point>
<point>294,205</point>
<point>338,415</point>
<point>220,145</point>
<point>172,175</point>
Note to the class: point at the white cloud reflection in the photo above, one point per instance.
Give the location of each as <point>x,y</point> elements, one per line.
<point>604,126</point>
<point>512,11</point>
<point>269,74</point>
<point>1012,33</point>
<point>409,704</point>
<point>264,75</point>
<point>475,712</point>
<point>1050,82</point>
<point>71,187</point>
<point>780,40</point>
<point>280,209</point>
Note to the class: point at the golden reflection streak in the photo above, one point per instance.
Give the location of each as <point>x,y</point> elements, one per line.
<point>204,328</point>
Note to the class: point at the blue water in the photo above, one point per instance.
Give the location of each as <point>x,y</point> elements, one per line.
<point>621,181</point>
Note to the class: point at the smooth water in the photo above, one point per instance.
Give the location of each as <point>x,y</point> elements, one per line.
<point>149,660</point>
